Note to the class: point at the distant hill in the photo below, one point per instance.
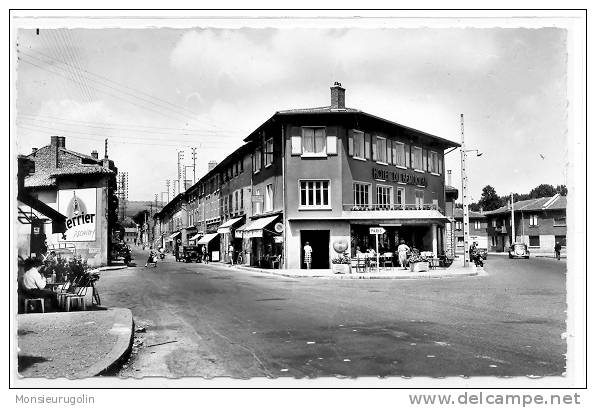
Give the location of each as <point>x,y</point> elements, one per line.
<point>133,207</point>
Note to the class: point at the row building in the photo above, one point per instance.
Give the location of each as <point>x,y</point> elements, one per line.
<point>320,175</point>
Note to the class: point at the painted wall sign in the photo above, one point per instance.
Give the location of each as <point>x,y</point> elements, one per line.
<point>79,208</point>
<point>399,177</point>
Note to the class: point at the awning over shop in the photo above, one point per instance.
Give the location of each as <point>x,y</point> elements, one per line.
<point>254,229</point>
<point>197,236</point>
<point>226,226</point>
<point>58,219</point>
<point>206,239</point>
<point>174,235</point>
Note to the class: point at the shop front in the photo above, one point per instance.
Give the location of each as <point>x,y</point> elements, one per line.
<point>262,242</point>
<point>211,243</point>
<point>172,242</point>
<point>228,237</point>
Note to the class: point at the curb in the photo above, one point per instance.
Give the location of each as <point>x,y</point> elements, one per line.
<point>112,268</point>
<point>124,328</point>
<point>473,272</point>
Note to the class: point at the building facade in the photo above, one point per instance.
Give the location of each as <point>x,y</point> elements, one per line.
<point>478,229</point>
<point>325,176</point>
<point>539,223</point>
<point>79,186</point>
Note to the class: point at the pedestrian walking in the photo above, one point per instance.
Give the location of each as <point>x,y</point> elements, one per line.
<point>205,254</point>
<point>558,250</point>
<point>402,253</point>
<point>307,255</point>
<point>231,254</point>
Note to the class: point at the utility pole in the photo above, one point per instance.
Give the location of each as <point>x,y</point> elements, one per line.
<point>105,155</point>
<point>168,190</point>
<point>194,165</point>
<point>464,197</point>
<point>180,157</point>
<point>512,222</point>
<point>174,188</point>
<point>156,207</point>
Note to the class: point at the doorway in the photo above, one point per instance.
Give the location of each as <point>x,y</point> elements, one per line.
<point>319,241</point>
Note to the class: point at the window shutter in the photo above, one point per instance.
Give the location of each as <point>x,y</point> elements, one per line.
<point>440,166</point>
<point>407,153</point>
<point>367,145</point>
<point>296,141</point>
<point>423,159</point>
<point>374,148</point>
<point>351,142</point>
<point>332,140</point>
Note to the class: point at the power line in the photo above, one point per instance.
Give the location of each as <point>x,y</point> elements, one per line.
<point>187,131</point>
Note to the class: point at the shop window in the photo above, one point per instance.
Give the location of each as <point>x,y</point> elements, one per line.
<point>314,193</point>
<point>359,145</point>
<point>314,142</point>
<point>417,158</point>
<point>534,240</point>
<point>381,150</point>
<point>361,194</point>
<point>257,201</point>
<point>460,241</point>
<point>561,239</point>
<point>268,152</point>
<point>533,220</point>
<point>560,221</point>
<point>458,226</point>
<point>384,196</point>
<point>269,197</point>
<point>494,223</point>
<point>399,154</point>
<point>477,224</point>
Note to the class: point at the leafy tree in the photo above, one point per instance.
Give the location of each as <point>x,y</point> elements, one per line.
<point>474,207</point>
<point>543,190</point>
<point>561,189</point>
<point>489,200</point>
<point>140,217</point>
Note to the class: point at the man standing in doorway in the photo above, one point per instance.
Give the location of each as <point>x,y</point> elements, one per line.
<point>402,253</point>
<point>558,250</point>
<point>307,255</point>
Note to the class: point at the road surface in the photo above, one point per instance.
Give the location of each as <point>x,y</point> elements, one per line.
<point>206,320</point>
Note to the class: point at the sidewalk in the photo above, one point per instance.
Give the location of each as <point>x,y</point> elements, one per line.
<point>73,344</point>
<point>394,273</point>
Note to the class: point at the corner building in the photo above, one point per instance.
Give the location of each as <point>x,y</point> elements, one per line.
<point>328,174</point>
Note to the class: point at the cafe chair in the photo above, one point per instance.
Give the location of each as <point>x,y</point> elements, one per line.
<point>31,302</point>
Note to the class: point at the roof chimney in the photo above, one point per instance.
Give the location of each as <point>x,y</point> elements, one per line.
<point>57,141</point>
<point>94,154</point>
<point>338,96</point>
<point>34,150</point>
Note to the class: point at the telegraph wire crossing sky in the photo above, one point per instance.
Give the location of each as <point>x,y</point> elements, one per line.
<point>155,91</point>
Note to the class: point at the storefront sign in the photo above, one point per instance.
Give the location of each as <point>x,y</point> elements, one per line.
<point>79,208</point>
<point>399,177</point>
<point>258,199</point>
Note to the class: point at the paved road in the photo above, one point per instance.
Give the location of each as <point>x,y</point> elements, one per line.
<point>212,321</point>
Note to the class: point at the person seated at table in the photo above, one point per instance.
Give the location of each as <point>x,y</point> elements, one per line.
<point>371,252</point>
<point>359,253</point>
<point>33,284</point>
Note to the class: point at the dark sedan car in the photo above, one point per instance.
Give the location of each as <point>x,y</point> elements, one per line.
<point>519,250</point>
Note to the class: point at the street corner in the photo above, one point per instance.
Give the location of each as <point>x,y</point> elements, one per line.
<point>84,344</point>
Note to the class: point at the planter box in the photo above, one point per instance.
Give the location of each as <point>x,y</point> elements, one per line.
<point>340,268</point>
<point>419,267</point>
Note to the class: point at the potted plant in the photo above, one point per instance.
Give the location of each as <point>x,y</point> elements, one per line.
<point>341,264</point>
<point>418,263</point>
<point>79,270</point>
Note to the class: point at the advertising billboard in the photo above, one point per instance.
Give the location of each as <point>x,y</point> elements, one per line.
<point>79,207</point>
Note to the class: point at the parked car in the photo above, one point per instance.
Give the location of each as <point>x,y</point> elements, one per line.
<point>120,252</point>
<point>519,250</point>
<point>190,253</point>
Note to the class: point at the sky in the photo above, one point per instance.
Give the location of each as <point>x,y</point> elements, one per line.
<point>156,91</point>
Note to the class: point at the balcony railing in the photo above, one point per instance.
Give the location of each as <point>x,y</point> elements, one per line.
<point>392,207</point>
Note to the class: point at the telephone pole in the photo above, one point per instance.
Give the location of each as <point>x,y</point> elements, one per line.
<point>180,157</point>
<point>168,190</point>
<point>194,165</point>
<point>464,197</point>
<point>512,221</point>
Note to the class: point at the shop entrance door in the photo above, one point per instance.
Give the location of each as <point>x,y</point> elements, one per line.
<point>319,241</point>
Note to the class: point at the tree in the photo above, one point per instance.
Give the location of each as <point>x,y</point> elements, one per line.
<point>543,190</point>
<point>561,189</point>
<point>139,218</point>
<point>474,207</point>
<point>489,200</point>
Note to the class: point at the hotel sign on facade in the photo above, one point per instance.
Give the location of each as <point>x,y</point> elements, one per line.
<point>399,177</point>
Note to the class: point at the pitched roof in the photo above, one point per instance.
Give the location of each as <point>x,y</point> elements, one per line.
<point>556,202</point>
<point>321,109</point>
<point>47,177</point>
<point>459,213</point>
